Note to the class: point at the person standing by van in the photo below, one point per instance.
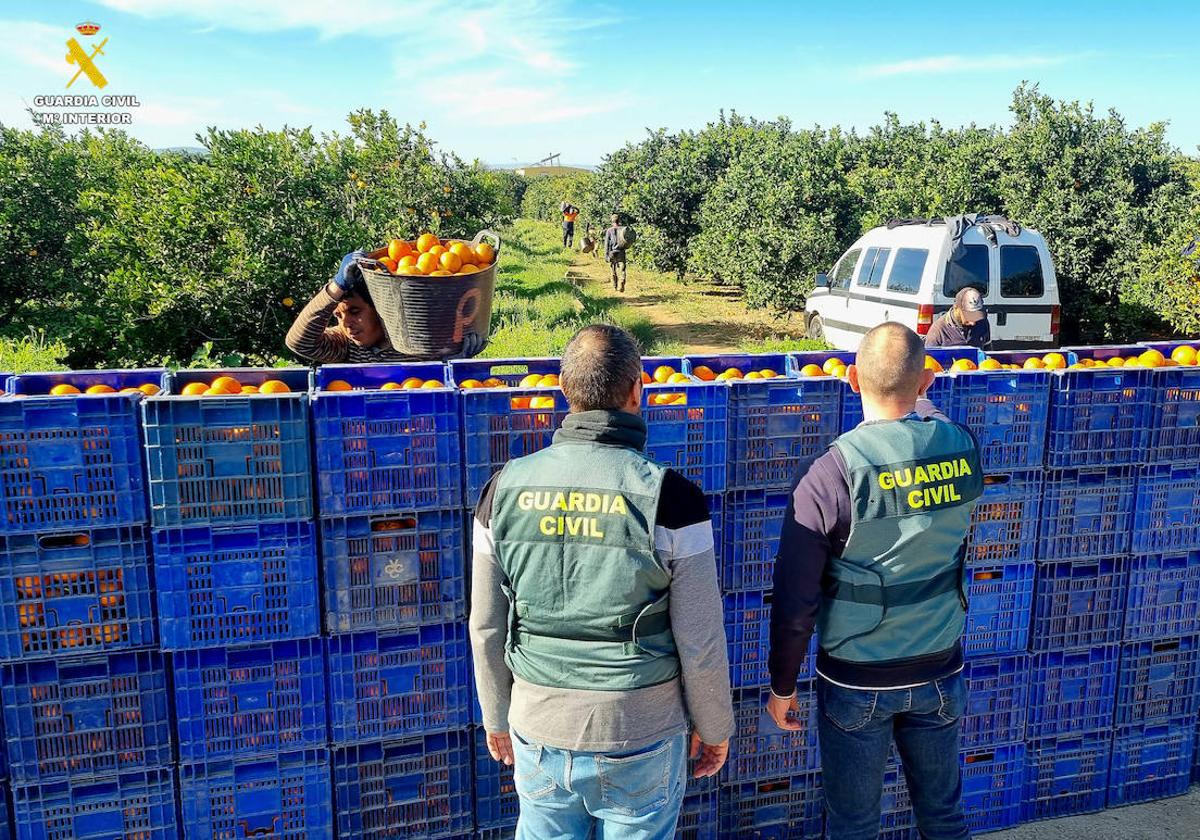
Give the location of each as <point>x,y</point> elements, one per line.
<point>871,554</point>
<point>965,325</point>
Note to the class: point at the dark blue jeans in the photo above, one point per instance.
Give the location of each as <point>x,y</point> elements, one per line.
<point>856,728</point>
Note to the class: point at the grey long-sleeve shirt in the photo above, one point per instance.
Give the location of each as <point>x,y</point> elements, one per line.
<point>611,721</point>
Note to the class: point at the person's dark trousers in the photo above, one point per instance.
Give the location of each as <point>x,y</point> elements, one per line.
<point>856,728</point>
<point>568,234</point>
<point>617,261</point>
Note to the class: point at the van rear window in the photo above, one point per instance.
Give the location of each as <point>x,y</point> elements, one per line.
<point>871,273</point>
<point>969,269</point>
<point>1021,272</point>
<point>907,269</point>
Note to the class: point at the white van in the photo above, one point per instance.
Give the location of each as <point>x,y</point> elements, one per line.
<point>908,273</point>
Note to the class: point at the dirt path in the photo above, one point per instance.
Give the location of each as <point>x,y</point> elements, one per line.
<point>699,316</point>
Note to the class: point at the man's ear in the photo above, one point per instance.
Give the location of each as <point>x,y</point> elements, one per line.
<point>635,396</point>
<point>852,378</point>
<point>927,377</point>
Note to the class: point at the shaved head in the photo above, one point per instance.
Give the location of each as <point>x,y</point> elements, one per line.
<point>601,364</point>
<point>891,363</point>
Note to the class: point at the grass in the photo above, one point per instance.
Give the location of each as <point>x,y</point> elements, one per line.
<point>536,309</point>
<point>30,353</point>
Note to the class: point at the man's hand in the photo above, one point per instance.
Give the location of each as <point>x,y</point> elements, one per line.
<point>779,708</point>
<point>500,746</point>
<point>348,272</point>
<point>712,756</point>
<point>473,344</point>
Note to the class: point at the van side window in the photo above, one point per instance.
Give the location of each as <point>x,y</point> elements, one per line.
<point>1020,272</point>
<point>845,270</point>
<point>907,268</point>
<point>970,269</point>
<point>871,273</point>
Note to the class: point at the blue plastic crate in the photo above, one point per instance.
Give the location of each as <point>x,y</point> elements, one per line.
<point>761,750</point>
<point>940,393</point>
<point>229,460</point>
<point>690,434</point>
<point>896,818</point>
<point>498,424</point>
<point>993,782</point>
<point>1098,416</point>
<point>6,823</point>
<point>1166,513</point>
<point>1163,592</point>
<point>1086,513</point>
<point>753,522</point>
<point>1159,681</point>
<point>716,513</point>
<point>1004,524</point>
<point>1072,691</point>
<point>386,450</point>
<point>74,461</point>
<point>75,592</point>
<point>285,796</point>
<point>1196,756</point>
<point>496,804</point>
<point>1000,600</point>
<point>997,700</point>
<point>392,571</point>
<point>86,717</point>
<point>232,586</point>
<point>398,683</point>
<point>1150,761</point>
<point>1008,410</point>
<point>699,816</point>
<point>1175,409</point>
<point>417,787</point>
<point>1066,775</point>
<point>138,804</point>
<point>790,807</point>
<point>244,701</point>
<point>748,631</point>
<point>774,424</point>
<point>1078,603</point>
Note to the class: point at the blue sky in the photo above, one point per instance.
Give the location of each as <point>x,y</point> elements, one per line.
<point>504,81</point>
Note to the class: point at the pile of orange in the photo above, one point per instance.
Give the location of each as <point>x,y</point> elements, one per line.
<point>67,390</point>
<point>412,383</point>
<point>225,386</point>
<point>1182,356</point>
<point>705,374</point>
<point>428,256</point>
<point>833,367</point>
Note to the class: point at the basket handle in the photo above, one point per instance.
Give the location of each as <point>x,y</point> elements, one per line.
<point>495,237</point>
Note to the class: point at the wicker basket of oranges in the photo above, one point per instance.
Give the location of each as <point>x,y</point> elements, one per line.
<point>431,292</point>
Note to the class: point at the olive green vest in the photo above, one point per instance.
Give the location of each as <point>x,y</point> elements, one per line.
<point>897,590</point>
<point>573,527</point>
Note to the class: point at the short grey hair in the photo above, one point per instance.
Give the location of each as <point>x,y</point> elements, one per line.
<point>600,366</point>
<point>890,362</point>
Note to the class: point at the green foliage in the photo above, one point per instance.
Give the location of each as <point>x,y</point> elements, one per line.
<point>31,353</point>
<point>545,193</point>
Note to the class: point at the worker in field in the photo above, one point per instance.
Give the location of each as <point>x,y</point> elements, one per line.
<point>570,214</point>
<point>871,555</point>
<point>358,335</point>
<point>965,325</point>
<point>614,251</point>
<point>596,622</point>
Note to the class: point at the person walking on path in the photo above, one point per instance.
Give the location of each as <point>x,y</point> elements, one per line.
<point>872,554</point>
<point>614,252</point>
<point>965,325</point>
<point>570,214</point>
<point>596,623</point>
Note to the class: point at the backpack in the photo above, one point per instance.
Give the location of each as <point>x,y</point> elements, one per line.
<point>626,236</point>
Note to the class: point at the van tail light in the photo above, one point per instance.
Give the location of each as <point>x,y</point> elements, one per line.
<point>924,318</point>
<point>1055,318</point>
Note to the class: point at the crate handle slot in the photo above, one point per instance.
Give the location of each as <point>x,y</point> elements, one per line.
<point>773,787</point>
<point>997,479</point>
<point>988,574</point>
<point>975,758</point>
<point>1159,647</point>
<point>384,526</point>
<point>259,832</point>
<point>55,541</point>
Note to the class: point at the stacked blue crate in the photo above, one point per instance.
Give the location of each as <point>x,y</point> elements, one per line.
<point>235,553</point>
<point>390,491</point>
<point>86,705</point>
<point>1099,416</point>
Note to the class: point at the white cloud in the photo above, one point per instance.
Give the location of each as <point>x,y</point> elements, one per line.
<point>35,45</point>
<point>963,64</point>
<point>493,99</point>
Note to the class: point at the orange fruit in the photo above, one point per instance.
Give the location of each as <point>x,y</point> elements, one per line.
<point>812,370</point>
<point>101,389</point>
<point>550,380</point>
<point>676,378</point>
<point>412,382</point>
<point>832,362</point>
<point>530,380</point>
<point>484,254</point>
<point>470,383</point>
<point>839,372</point>
<point>432,383</point>
<point>249,389</point>
<point>437,250</point>
<point>646,378</point>
<point>767,373</point>
<point>441,272</point>
<point>933,364</point>
<point>963,364</point>
<point>662,373</point>
<point>703,373</point>
<point>407,265</point>
<point>1054,361</point>
<point>63,390</point>
<point>1133,361</point>
<point>519,402</point>
<point>1115,361</point>
<point>467,268</point>
<point>463,251</point>
<point>451,261</point>
<point>541,402</point>
<point>389,264</point>
<point>1184,354</point>
<point>427,263</point>
<point>493,382</point>
<point>339,385</point>
<point>274,386</point>
<point>753,375</point>
<point>130,390</point>
<point>426,241</point>
<point>1033,363</point>
<point>390,386</point>
<point>730,373</point>
<point>194,389</point>
<point>397,249</point>
<point>990,364</point>
<point>149,389</point>
<point>226,383</point>
<point>1152,359</point>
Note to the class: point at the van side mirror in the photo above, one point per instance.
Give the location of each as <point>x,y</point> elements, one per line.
<point>822,281</point>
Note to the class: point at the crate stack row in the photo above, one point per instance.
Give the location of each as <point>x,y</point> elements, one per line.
<point>88,738</point>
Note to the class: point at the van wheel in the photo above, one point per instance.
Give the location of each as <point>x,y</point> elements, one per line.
<point>815,328</point>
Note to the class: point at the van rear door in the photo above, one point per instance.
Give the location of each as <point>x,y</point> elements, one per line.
<point>1025,311</point>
